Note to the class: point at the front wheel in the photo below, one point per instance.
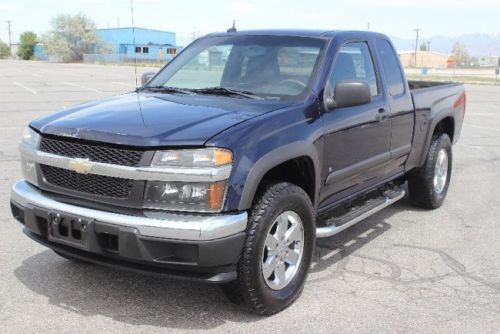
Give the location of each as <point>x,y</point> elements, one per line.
<point>278,249</point>
<point>428,185</point>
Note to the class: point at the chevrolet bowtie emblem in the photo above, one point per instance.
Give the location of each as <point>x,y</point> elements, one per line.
<point>81,166</point>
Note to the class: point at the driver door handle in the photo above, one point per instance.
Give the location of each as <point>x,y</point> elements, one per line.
<point>382,115</point>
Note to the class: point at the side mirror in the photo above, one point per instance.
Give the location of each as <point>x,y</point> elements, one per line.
<point>352,93</point>
<point>145,77</point>
<point>349,94</point>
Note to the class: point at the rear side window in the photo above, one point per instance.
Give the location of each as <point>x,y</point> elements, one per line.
<point>392,70</point>
<point>354,62</point>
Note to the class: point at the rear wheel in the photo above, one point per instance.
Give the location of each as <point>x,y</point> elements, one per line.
<point>428,186</point>
<point>278,250</point>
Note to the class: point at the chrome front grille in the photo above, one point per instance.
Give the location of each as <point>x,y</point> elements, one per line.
<point>105,186</point>
<point>93,152</point>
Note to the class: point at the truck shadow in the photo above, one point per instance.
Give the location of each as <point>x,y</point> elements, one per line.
<point>152,301</point>
<point>332,253</point>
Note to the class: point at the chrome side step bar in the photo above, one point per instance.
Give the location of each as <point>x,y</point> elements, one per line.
<point>332,229</point>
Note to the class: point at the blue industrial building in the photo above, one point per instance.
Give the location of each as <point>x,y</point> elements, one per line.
<point>147,43</point>
<point>130,43</point>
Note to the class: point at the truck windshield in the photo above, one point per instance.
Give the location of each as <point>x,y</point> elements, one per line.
<point>260,66</point>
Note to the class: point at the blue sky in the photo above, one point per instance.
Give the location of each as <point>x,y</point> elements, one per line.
<point>393,17</point>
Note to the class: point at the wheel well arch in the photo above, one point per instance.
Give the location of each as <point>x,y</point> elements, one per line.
<point>445,125</point>
<point>299,171</point>
<point>299,160</point>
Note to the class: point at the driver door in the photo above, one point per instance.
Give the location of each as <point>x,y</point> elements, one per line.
<point>356,139</point>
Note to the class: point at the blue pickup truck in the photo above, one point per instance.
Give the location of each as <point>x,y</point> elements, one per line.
<point>227,164</point>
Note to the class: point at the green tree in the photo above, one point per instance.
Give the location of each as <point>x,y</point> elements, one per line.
<point>71,37</point>
<point>424,46</point>
<point>4,50</point>
<point>27,42</point>
<point>460,54</point>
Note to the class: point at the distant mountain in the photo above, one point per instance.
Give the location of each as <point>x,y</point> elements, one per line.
<point>478,45</point>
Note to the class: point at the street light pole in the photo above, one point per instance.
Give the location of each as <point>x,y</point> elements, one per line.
<point>416,46</point>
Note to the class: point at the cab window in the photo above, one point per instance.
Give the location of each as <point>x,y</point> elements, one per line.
<point>392,69</point>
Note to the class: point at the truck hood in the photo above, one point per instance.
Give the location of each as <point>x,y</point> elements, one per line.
<point>153,119</point>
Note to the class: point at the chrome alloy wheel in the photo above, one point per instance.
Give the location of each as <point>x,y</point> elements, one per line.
<point>283,250</point>
<point>440,171</point>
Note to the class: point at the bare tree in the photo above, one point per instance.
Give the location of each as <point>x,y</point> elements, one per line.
<point>72,36</point>
<point>460,54</point>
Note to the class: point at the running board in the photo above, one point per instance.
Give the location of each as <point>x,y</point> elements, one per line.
<point>358,214</point>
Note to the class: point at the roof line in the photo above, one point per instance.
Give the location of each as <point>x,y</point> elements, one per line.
<point>116,28</point>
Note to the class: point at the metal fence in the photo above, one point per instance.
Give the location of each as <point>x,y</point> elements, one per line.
<point>117,58</point>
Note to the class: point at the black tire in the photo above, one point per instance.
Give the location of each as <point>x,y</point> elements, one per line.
<point>421,182</point>
<point>251,286</point>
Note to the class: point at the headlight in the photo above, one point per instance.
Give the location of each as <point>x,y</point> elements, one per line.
<point>188,196</point>
<point>181,196</point>
<point>30,137</point>
<point>28,167</point>
<point>201,157</point>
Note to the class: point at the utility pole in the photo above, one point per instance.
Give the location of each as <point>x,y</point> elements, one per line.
<point>428,45</point>
<point>416,46</point>
<point>10,41</point>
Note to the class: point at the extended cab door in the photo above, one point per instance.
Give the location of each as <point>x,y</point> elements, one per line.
<point>356,139</point>
<point>401,110</point>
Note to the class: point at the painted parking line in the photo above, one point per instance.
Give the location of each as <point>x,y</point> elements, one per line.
<point>81,87</point>
<point>32,91</point>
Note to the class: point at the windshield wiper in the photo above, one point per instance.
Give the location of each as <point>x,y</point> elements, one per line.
<point>167,89</point>
<point>227,92</point>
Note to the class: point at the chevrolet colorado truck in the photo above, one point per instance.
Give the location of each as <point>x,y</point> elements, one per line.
<point>226,165</point>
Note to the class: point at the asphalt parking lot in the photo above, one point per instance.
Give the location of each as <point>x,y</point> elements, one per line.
<point>402,270</point>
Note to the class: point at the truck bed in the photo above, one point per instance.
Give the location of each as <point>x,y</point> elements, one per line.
<point>434,96</point>
<point>418,84</point>
<point>433,101</point>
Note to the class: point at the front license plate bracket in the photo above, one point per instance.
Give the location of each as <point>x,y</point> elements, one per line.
<point>69,229</point>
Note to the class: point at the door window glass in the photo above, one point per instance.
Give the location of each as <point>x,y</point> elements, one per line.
<point>354,62</point>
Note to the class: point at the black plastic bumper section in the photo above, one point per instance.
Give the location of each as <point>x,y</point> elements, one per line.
<point>122,247</point>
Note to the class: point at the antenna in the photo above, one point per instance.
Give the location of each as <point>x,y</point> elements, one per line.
<point>233,28</point>
<point>133,34</point>
<point>135,63</point>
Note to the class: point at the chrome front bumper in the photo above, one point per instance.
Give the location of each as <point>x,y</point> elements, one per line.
<point>187,227</point>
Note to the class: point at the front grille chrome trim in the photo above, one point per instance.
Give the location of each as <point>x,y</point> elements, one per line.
<point>167,174</point>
